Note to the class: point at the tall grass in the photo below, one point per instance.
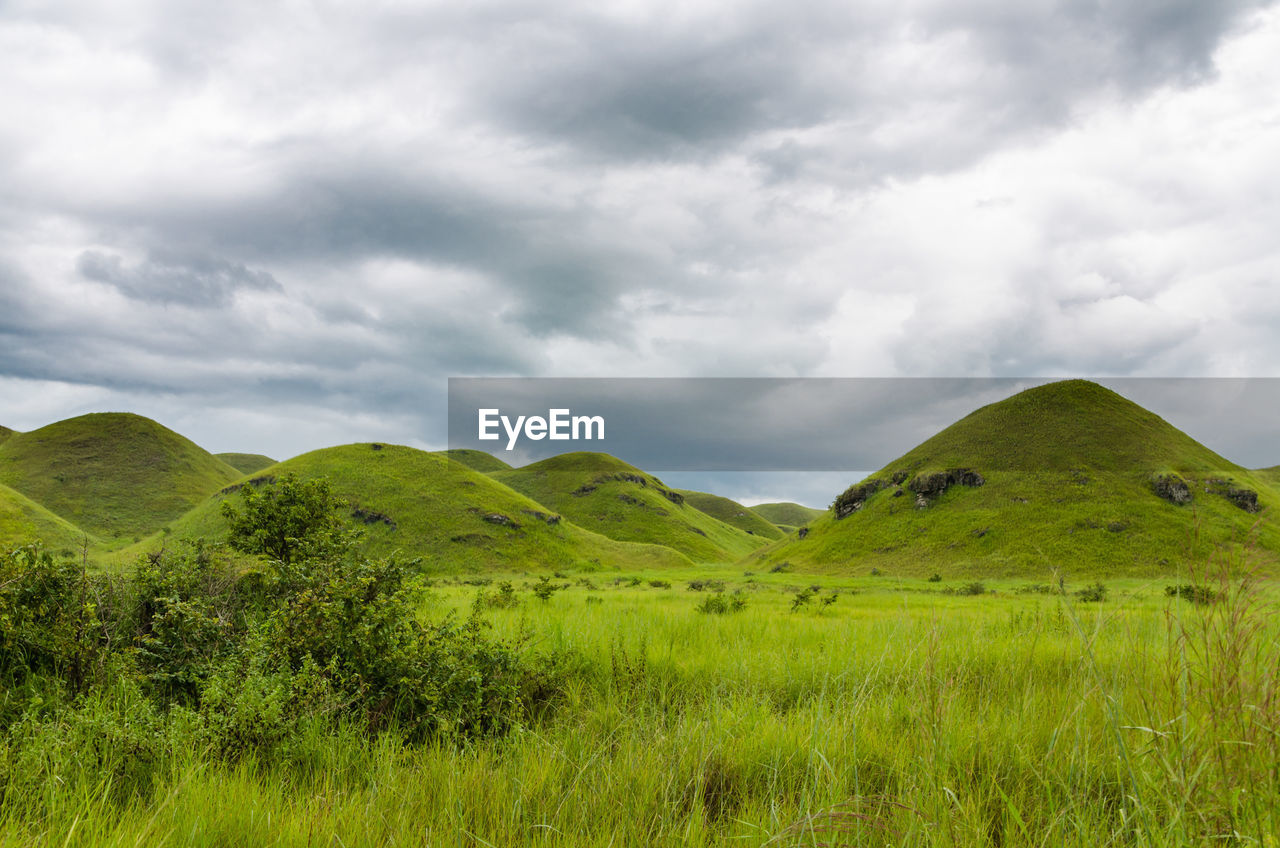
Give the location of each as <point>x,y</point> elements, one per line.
<point>898,716</point>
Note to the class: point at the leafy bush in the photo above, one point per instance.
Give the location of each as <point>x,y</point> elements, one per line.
<point>1199,595</point>
<point>289,521</point>
<point>504,598</point>
<point>706,585</point>
<point>544,588</point>
<point>720,604</point>
<point>1093,594</point>
<point>660,584</point>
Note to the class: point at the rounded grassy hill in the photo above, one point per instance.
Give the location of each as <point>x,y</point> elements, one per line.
<point>118,476</point>
<point>608,496</point>
<point>425,505</point>
<point>1068,476</point>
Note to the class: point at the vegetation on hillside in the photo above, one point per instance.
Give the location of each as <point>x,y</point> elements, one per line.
<point>786,514</point>
<point>117,476</point>
<point>732,513</point>
<point>477,460</point>
<point>23,519</point>
<point>1066,476</point>
<point>246,463</point>
<point>426,506</point>
<point>618,500</point>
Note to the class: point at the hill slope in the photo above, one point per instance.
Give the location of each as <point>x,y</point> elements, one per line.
<point>22,520</point>
<point>787,514</point>
<point>246,463</point>
<point>610,497</point>
<point>425,505</point>
<point>117,476</point>
<point>1069,475</point>
<point>5,433</point>
<point>732,513</point>
<point>477,460</point>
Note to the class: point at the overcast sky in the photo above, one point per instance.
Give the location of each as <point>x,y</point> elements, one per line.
<point>275,227</point>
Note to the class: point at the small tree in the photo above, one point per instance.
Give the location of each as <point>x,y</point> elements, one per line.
<point>289,521</point>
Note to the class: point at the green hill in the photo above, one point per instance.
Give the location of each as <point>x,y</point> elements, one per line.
<point>786,514</point>
<point>608,496</point>
<point>477,460</point>
<point>732,513</point>
<point>425,505</point>
<point>23,520</point>
<point>1069,475</point>
<point>117,476</point>
<point>5,433</point>
<point>1269,475</point>
<point>246,463</point>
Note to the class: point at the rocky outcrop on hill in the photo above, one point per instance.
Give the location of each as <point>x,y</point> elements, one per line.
<point>1172,488</point>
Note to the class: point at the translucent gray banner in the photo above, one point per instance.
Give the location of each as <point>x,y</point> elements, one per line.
<point>853,424</point>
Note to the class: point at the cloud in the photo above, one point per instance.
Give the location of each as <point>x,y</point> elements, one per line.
<point>268,209</point>
<point>197,281</point>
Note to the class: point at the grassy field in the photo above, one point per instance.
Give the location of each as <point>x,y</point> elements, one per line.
<point>904,712</point>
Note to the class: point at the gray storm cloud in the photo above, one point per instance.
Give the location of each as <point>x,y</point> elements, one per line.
<point>271,215</point>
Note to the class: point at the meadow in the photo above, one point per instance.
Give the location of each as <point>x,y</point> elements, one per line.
<point>903,712</point>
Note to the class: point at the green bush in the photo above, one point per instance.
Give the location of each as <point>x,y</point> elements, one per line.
<point>1199,595</point>
<point>1093,594</point>
<point>719,603</point>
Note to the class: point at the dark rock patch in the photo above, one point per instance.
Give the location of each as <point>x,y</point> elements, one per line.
<point>1172,488</point>
<point>1246,499</point>
<point>552,520</point>
<point>853,498</point>
<point>501,520</point>
<point>255,482</point>
<point>802,532</point>
<point>369,516</point>
<point>927,486</point>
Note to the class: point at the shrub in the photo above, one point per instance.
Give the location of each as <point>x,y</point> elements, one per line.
<point>706,585</point>
<point>935,578</point>
<point>289,521</point>
<point>660,584</point>
<point>1093,594</point>
<point>504,598</point>
<point>1199,595</point>
<point>720,604</point>
<point>544,588</point>
<point>801,599</point>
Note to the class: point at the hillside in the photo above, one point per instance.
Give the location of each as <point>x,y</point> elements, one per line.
<point>732,513</point>
<point>22,521</point>
<point>1069,475</point>
<point>117,476</point>
<point>610,497</point>
<point>5,433</point>
<point>425,505</point>
<point>246,463</point>
<point>477,460</point>
<point>786,514</point>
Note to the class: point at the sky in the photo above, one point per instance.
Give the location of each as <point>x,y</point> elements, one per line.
<point>275,227</point>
